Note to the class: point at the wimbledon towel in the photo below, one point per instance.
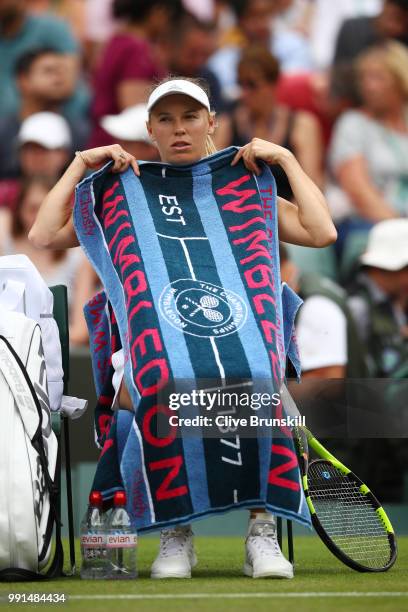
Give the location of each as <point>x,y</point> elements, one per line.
<point>189,259</point>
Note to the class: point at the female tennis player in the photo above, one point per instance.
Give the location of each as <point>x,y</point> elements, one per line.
<point>180,124</point>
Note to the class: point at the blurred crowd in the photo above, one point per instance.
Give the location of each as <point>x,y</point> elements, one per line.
<point>328,80</point>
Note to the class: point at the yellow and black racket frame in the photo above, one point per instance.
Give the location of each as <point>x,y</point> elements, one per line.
<point>303,438</point>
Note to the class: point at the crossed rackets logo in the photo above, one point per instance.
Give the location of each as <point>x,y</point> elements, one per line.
<point>202,309</point>
<point>207,305</point>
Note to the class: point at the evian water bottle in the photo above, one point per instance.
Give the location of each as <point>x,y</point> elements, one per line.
<point>121,541</point>
<point>93,540</point>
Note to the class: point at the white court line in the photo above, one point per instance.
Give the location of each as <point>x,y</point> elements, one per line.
<point>218,360</point>
<point>193,276</point>
<point>187,255</point>
<point>185,237</point>
<point>270,595</point>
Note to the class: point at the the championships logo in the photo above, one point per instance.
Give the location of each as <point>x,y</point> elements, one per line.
<point>202,309</point>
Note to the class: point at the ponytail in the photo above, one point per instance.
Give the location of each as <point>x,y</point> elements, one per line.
<point>210,147</point>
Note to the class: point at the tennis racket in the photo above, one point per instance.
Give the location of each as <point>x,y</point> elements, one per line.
<point>345,513</point>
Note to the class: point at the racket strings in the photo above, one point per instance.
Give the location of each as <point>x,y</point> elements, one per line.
<point>347,515</point>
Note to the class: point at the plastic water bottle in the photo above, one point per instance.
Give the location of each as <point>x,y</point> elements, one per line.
<point>121,541</point>
<point>93,540</point>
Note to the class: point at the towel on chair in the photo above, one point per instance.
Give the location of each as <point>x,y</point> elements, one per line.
<point>189,260</point>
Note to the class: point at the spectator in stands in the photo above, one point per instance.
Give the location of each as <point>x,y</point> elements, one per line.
<point>329,351</point>
<point>192,43</point>
<point>45,142</point>
<point>20,32</point>
<point>99,26</point>
<point>224,17</point>
<point>43,86</point>
<point>129,130</point>
<point>70,11</point>
<point>359,33</point>
<point>204,10</point>
<point>258,115</point>
<point>323,326</point>
<point>255,26</point>
<point>325,20</point>
<point>129,65</point>
<point>369,151</point>
<point>43,147</point>
<point>324,94</point>
<point>294,14</point>
<point>67,267</point>
<point>379,298</point>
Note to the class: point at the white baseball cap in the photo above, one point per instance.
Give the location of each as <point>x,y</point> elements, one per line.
<point>178,86</point>
<point>387,246</point>
<point>130,124</point>
<point>49,130</point>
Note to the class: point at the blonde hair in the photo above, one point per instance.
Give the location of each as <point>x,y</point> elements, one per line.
<point>210,147</point>
<point>394,57</point>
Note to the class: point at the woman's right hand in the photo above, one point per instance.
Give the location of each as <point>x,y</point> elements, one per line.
<point>93,158</point>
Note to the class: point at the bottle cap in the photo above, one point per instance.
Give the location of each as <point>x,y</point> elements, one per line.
<point>95,498</point>
<point>119,498</point>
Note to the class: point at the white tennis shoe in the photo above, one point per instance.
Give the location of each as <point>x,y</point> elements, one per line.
<point>264,558</point>
<point>176,556</point>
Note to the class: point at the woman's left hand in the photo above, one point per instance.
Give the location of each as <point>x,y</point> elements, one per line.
<point>261,149</point>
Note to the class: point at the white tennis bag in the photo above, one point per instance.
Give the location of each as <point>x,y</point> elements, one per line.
<point>22,289</point>
<point>29,457</point>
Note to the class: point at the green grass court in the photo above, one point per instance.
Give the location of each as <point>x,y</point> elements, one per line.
<point>321,583</point>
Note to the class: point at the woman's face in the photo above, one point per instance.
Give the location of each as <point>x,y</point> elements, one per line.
<point>179,126</point>
<point>256,21</point>
<point>37,160</point>
<point>378,86</point>
<point>257,94</point>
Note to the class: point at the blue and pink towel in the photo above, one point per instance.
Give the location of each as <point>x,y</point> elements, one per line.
<point>189,260</point>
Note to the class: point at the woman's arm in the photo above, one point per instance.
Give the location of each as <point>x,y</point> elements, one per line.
<point>307,144</point>
<point>306,223</point>
<point>354,179</point>
<point>53,227</point>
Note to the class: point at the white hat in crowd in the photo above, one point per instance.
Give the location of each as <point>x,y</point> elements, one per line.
<point>178,86</point>
<point>130,124</point>
<point>49,130</point>
<point>387,246</point>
